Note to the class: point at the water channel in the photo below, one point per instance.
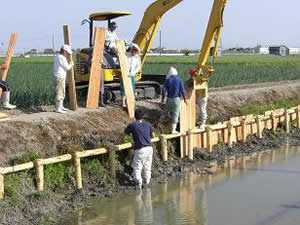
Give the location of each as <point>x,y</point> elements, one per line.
<point>261,189</point>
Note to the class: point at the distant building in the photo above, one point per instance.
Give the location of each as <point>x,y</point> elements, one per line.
<point>262,50</point>
<point>281,50</point>
<point>294,51</point>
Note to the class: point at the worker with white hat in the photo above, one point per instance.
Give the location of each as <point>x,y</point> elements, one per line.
<point>60,68</point>
<point>134,66</point>
<point>174,89</point>
<point>110,38</point>
<point>5,92</point>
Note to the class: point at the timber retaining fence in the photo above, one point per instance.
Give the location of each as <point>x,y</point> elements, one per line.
<point>234,130</point>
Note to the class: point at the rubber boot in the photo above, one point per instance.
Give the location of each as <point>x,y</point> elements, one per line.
<point>174,126</point>
<point>123,101</point>
<point>64,109</point>
<point>102,102</point>
<point>203,111</point>
<point>5,101</point>
<point>59,105</point>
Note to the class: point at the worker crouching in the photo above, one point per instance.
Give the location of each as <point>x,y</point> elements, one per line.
<point>5,92</point>
<point>60,68</point>
<point>143,151</point>
<point>174,89</point>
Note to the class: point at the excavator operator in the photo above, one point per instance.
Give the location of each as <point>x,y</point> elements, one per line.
<point>110,39</point>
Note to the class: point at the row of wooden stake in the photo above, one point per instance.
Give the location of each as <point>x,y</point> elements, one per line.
<point>237,130</point>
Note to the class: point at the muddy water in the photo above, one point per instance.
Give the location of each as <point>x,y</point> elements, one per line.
<point>261,189</point>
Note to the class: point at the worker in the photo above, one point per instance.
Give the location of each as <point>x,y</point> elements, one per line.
<point>174,88</point>
<point>141,132</point>
<point>110,38</point>
<point>5,92</point>
<point>60,68</point>
<point>202,102</point>
<point>134,66</point>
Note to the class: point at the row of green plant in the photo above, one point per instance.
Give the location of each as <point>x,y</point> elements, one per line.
<point>32,84</point>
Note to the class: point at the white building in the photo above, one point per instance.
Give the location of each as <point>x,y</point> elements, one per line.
<point>294,51</point>
<point>263,50</point>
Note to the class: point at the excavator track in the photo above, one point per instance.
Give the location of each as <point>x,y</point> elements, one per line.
<point>149,87</point>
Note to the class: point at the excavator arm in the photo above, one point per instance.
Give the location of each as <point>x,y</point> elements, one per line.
<point>213,34</point>
<point>145,35</point>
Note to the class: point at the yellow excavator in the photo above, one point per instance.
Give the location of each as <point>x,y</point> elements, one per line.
<point>147,86</point>
<point>201,73</point>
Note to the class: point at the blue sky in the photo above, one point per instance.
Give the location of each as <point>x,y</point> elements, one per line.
<point>247,22</point>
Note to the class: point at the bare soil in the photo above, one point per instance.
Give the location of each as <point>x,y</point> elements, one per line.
<point>42,130</point>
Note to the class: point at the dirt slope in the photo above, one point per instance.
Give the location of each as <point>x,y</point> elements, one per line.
<point>47,132</point>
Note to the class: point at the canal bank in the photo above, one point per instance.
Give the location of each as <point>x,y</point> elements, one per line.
<point>28,207</point>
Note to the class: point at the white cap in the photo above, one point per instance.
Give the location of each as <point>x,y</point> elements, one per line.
<point>67,48</point>
<point>135,46</point>
<point>172,71</point>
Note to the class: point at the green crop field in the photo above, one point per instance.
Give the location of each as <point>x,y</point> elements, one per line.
<point>31,78</point>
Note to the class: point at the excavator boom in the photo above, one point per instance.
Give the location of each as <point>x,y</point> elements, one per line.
<point>213,34</point>
<point>148,28</point>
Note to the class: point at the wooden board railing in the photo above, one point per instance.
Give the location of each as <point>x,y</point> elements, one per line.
<point>228,132</point>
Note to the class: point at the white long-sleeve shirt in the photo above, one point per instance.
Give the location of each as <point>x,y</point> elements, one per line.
<point>110,38</point>
<point>61,66</point>
<point>134,64</point>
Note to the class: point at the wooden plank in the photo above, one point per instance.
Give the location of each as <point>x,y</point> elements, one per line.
<point>17,168</point>
<point>62,158</point>
<point>125,78</point>
<point>3,115</point>
<point>95,78</point>
<point>1,186</point>
<point>70,73</point>
<point>39,174</point>
<point>93,152</point>
<point>9,54</point>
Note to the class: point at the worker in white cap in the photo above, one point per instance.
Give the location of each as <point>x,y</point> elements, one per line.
<point>134,66</point>
<point>110,38</point>
<point>174,89</point>
<point>5,91</point>
<point>60,68</point>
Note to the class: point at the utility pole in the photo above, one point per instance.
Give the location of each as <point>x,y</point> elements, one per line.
<point>53,41</point>
<point>160,41</point>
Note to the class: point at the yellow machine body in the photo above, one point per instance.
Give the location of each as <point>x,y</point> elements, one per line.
<point>144,37</point>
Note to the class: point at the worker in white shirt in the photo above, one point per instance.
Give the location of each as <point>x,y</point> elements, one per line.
<point>5,91</point>
<point>60,68</point>
<point>110,38</point>
<point>134,66</point>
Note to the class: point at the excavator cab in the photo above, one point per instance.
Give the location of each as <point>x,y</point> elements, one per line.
<point>148,86</point>
<point>110,65</point>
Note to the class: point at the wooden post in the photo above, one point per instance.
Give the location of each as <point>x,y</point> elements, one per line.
<point>39,176</point>
<point>258,124</point>
<point>183,129</point>
<point>230,133</point>
<point>70,73</point>
<point>129,93</point>
<point>77,167</point>
<point>298,116</point>
<point>1,185</point>
<point>244,130</point>
<point>112,164</point>
<point>209,138</point>
<point>274,125</point>
<point>287,121</point>
<point>191,144</point>
<point>95,78</point>
<point>9,54</point>
<point>164,148</point>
